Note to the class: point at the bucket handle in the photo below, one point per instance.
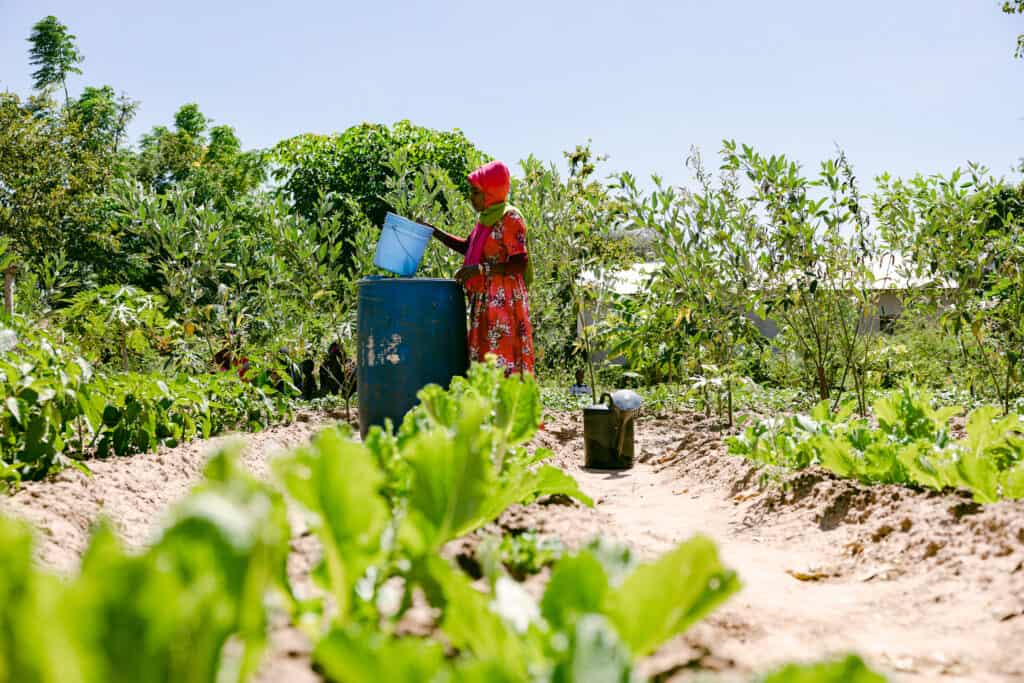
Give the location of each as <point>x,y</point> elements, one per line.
<point>398,238</point>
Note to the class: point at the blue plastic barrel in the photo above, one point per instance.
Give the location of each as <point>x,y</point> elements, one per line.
<point>401,245</point>
<point>411,332</point>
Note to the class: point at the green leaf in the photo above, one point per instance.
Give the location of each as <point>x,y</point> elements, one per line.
<point>518,410</point>
<point>337,482</point>
<point>453,479</point>
<point>836,455</point>
<point>578,585</point>
<point>597,655</point>
<point>1012,482</point>
<point>470,624</point>
<point>355,654</point>
<point>111,416</point>
<point>14,408</point>
<point>916,458</point>
<point>524,486</point>
<point>849,670</point>
<point>204,580</point>
<point>661,599</point>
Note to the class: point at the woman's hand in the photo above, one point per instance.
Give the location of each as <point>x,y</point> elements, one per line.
<point>465,273</point>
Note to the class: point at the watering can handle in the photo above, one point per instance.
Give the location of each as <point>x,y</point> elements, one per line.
<point>620,421</point>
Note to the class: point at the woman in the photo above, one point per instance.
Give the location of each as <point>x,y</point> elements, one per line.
<point>493,274</point>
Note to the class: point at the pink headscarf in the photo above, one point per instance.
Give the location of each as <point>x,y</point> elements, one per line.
<point>494,180</point>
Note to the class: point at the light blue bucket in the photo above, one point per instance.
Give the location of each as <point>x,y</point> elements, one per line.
<point>401,245</point>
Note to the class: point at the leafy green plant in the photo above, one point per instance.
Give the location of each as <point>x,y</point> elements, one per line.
<point>57,411</point>
<point>464,450</point>
<point>115,322</point>
<point>850,669</point>
<point>597,614</point>
<point>708,282</point>
<point>911,445</point>
<point>41,385</point>
<point>164,614</point>
<point>211,575</point>
<point>337,483</point>
<point>814,252</point>
<point>523,554</point>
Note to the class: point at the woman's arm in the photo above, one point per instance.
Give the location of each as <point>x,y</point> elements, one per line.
<point>516,265</point>
<point>454,243</point>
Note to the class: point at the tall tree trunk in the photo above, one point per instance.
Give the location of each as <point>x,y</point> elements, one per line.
<point>823,388</point>
<point>728,391</point>
<point>9,290</point>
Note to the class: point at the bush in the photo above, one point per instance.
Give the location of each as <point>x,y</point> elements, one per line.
<point>57,410</point>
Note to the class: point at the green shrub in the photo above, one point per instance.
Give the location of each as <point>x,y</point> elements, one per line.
<point>910,445</point>
<point>56,410</point>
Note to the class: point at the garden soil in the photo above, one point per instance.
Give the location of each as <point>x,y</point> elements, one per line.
<point>927,587</point>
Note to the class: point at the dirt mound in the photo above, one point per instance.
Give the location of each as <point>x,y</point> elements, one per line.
<point>132,492</point>
<point>916,528</point>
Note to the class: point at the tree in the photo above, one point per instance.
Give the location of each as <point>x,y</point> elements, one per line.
<point>963,235</point>
<point>208,162</point>
<point>697,304</point>
<point>51,173</point>
<point>104,114</point>
<point>1016,7</point>
<point>814,257</point>
<point>357,163</point>
<point>354,169</point>
<point>571,226</point>
<point>54,53</point>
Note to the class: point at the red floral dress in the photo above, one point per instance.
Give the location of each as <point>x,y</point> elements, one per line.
<point>499,306</point>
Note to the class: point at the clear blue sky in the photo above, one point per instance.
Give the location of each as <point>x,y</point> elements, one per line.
<point>903,85</point>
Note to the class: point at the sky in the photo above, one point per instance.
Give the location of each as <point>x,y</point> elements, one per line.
<point>903,86</point>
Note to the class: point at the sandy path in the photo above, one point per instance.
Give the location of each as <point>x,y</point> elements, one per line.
<point>898,624</point>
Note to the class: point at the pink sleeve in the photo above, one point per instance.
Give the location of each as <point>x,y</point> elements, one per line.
<point>513,236</point>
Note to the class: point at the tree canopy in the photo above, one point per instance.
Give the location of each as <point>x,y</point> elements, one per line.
<point>357,163</point>
<point>54,53</point>
<point>206,160</point>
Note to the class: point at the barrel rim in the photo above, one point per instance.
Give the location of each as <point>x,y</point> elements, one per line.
<point>377,280</point>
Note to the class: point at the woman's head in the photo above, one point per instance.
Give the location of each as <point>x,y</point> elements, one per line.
<point>477,198</point>
<point>489,185</point>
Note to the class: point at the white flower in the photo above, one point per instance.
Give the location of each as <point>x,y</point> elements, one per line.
<point>8,340</point>
<point>514,604</point>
